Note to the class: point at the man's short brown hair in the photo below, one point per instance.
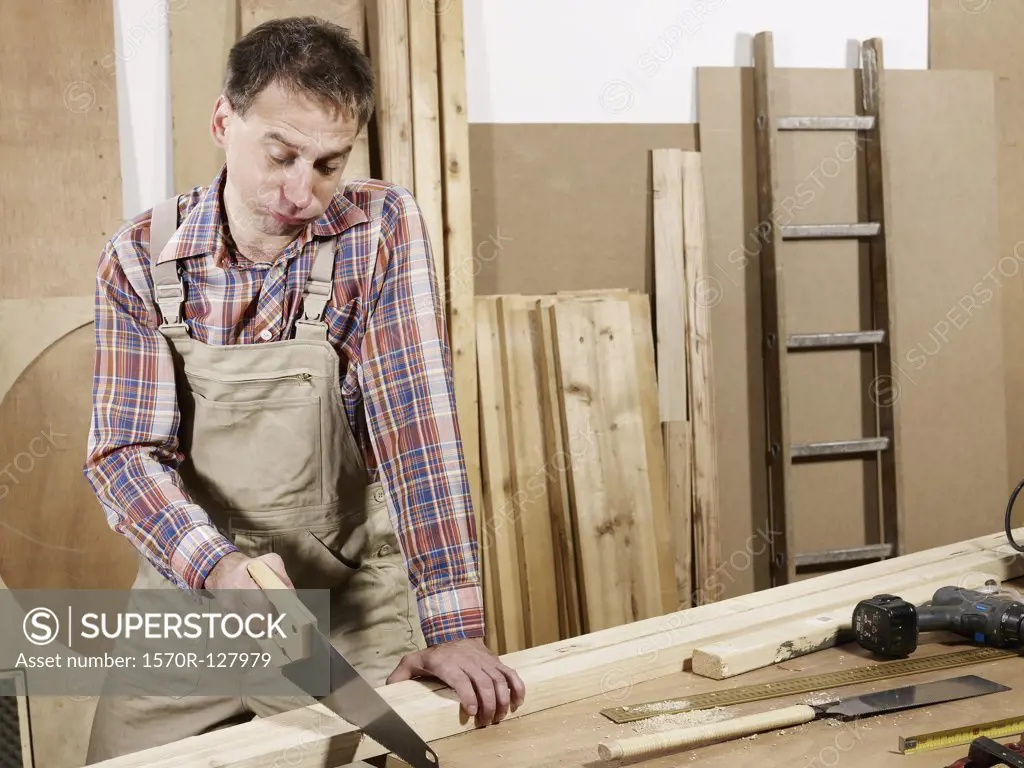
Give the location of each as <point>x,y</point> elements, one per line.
<point>303,53</point>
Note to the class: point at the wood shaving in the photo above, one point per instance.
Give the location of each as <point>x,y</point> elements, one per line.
<point>681,720</point>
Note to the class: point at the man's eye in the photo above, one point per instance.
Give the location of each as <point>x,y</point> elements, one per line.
<point>278,160</point>
<point>328,170</point>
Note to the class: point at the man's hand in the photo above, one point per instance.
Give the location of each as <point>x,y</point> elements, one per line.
<point>486,686</point>
<point>231,572</point>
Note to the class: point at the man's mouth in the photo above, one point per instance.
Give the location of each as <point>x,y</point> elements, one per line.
<point>286,220</point>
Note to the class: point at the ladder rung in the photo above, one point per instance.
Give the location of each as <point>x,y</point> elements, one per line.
<point>837,123</point>
<point>839,447</point>
<point>838,339</point>
<point>832,231</point>
<point>851,554</point>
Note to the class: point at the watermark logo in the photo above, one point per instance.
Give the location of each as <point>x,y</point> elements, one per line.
<point>40,626</point>
<point>975,6</point>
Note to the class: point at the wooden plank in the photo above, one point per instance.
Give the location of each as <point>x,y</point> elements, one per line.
<point>670,294</point>
<point>606,670</point>
<point>528,463</point>
<point>499,545</point>
<point>610,485</point>
<point>350,14</point>
<point>458,235</point>
<point>426,129</point>
<point>706,543</point>
<point>647,383</point>
<point>673,380</point>
<point>389,49</point>
<point>63,107</point>
<point>201,35</point>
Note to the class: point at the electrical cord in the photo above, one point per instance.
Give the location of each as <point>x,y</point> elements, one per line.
<point>1009,510</point>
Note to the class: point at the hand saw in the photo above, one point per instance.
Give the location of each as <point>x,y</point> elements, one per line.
<point>349,695</point>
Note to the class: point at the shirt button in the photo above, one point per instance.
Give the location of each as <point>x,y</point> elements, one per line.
<point>266,335</point>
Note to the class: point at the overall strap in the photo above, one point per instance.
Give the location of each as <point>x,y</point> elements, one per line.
<point>310,324</point>
<point>319,284</point>
<point>168,291</point>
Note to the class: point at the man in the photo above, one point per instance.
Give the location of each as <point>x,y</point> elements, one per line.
<point>273,382</point>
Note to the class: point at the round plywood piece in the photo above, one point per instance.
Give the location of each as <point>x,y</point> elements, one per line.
<point>53,533</point>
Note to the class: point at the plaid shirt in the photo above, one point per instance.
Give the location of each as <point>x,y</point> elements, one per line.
<point>388,328</point>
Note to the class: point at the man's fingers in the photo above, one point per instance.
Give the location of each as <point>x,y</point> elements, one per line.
<point>501,694</point>
<point>484,686</point>
<point>515,684</point>
<point>456,679</point>
<point>404,671</point>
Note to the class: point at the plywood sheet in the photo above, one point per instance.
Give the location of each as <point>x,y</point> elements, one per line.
<point>985,35</point>
<point>940,139</point>
<point>60,190</point>
<point>565,207</point>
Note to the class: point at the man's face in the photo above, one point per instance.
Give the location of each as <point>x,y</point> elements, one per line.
<point>285,160</point>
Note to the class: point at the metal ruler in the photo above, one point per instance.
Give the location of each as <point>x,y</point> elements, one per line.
<point>809,684</point>
<point>954,737</point>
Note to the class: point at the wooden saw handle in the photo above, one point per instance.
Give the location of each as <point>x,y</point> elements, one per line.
<point>698,735</point>
<point>301,622</point>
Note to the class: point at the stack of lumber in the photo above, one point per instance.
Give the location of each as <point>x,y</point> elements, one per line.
<point>599,664</point>
<point>599,473</point>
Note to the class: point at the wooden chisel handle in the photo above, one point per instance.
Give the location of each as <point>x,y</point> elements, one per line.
<point>653,743</point>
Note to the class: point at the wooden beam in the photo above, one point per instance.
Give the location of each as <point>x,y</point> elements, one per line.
<point>789,640</point>
<point>555,674</point>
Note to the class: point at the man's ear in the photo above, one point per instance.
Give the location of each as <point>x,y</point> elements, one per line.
<point>223,113</point>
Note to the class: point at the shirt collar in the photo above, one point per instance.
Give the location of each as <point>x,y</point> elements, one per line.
<point>205,231</point>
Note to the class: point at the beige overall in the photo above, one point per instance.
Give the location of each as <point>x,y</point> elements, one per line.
<point>272,459</point>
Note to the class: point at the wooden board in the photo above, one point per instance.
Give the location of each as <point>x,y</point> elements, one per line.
<point>201,35</point>
<point>610,484</point>
<point>529,463</point>
<point>939,135</point>
<point>986,35</point>
<point>499,545</point>
<point>389,51</point>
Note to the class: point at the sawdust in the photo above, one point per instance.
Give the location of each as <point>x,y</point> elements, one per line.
<point>668,706</point>
<point>818,698</point>
<point>660,723</point>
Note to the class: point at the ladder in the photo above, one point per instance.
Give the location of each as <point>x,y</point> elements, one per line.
<point>882,447</point>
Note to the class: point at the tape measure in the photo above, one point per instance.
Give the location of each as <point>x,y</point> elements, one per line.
<point>808,684</point>
<point>955,737</point>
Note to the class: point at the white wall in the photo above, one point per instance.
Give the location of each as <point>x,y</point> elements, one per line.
<point>556,61</point>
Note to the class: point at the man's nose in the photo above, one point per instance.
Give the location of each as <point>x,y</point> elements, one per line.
<point>298,186</point>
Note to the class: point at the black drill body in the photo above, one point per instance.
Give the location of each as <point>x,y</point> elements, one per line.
<point>889,625</point>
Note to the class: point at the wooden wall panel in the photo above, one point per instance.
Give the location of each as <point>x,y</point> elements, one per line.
<point>565,207</point>
<point>60,190</point>
<point>989,39</point>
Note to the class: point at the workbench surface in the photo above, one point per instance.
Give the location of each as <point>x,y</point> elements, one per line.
<point>568,735</point>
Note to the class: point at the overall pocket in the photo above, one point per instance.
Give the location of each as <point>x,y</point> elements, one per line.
<point>321,557</point>
<point>256,456</point>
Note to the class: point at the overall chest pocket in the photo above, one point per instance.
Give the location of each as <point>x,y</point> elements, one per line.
<point>256,455</point>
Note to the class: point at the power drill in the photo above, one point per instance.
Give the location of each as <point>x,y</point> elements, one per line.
<point>889,626</point>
